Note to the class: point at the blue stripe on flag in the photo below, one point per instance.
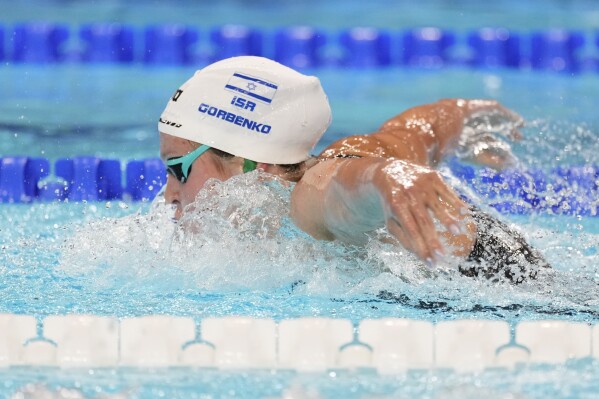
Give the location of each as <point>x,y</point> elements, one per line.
<point>262,82</point>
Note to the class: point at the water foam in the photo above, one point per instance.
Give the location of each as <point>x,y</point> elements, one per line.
<point>238,236</point>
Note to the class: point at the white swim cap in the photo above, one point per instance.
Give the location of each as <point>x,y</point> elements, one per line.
<point>251,107</point>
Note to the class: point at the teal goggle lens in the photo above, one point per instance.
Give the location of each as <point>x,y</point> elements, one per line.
<point>180,167</point>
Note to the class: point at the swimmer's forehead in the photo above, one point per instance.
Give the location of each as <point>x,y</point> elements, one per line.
<point>171,146</point>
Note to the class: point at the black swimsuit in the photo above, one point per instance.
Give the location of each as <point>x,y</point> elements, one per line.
<point>501,252</point>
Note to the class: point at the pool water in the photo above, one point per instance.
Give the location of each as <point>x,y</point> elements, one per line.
<point>570,381</point>
<point>64,116</point>
<point>69,258</point>
<point>127,259</point>
<point>462,14</point>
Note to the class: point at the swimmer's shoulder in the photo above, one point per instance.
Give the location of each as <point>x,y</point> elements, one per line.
<point>380,144</point>
<point>358,146</point>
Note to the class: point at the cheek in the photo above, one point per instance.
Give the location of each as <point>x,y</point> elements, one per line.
<point>190,190</point>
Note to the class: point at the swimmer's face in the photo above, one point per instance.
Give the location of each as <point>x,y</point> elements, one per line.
<point>205,167</point>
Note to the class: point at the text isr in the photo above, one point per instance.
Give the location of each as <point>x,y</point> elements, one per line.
<point>243,103</point>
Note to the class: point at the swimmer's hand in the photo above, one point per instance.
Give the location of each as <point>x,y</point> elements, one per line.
<point>487,132</point>
<point>413,196</point>
<point>345,199</point>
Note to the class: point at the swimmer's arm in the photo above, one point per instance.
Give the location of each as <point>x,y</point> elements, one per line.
<point>440,128</point>
<point>347,198</point>
<point>424,135</point>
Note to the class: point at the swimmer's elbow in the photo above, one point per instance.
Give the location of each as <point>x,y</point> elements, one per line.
<point>306,211</point>
<point>310,226</point>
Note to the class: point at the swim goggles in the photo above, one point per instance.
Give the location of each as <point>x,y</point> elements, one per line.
<point>180,167</point>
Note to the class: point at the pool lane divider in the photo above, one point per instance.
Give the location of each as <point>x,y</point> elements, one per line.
<point>48,42</point>
<point>308,344</point>
<point>24,180</point>
<point>571,190</point>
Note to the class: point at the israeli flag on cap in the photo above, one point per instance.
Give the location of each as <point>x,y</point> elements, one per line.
<point>253,87</point>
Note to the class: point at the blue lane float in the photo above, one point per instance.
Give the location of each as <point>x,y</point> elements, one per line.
<point>427,47</point>
<point>19,178</point>
<point>145,178</point>
<point>494,47</point>
<point>1,43</point>
<point>365,47</point>
<point>39,42</point>
<point>169,44</point>
<point>299,47</point>
<point>23,179</point>
<point>572,190</point>
<point>558,50</point>
<point>235,40</point>
<point>89,179</point>
<point>107,43</point>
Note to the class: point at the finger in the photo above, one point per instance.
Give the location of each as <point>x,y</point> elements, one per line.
<point>402,215</point>
<point>495,114</point>
<point>407,241</point>
<point>513,116</point>
<point>427,236</point>
<point>447,196</point>
<point>395,229</point>
<point>492,160</point>
<point>519,120</point>
<point>497,159</point>
<point>447,215</point>
<point>449,209</point>
<point>428,231</point>
<point>508,114</point>
<point>491,151</point>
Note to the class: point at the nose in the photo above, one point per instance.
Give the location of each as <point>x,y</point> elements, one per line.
<point>171,194</point>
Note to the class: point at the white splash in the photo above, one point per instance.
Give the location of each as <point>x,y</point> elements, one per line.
<point>40,391</point>
<point>238,235</point>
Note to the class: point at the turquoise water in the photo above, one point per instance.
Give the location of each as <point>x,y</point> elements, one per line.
<point>112,111</point>
<point>122,259</point>
<point>461,14</point>
<point>571,381</point>
<point>117,258</point>
<point>126,260</point>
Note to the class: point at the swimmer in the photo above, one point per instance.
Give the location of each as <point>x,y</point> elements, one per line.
<point>244,113</point>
